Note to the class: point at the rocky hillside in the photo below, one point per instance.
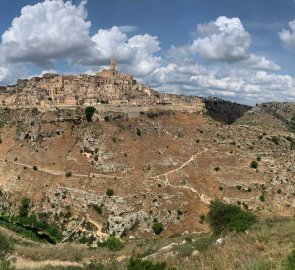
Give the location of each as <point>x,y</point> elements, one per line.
<point>223,111</point>
<point>275,115</point>
<point>134,177</point>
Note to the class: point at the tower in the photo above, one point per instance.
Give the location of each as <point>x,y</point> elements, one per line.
<point>113,64</point>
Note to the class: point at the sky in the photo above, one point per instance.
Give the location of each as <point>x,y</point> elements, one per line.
<point>238,50</point>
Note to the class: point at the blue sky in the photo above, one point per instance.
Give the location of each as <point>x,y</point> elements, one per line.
<point>238,50</point>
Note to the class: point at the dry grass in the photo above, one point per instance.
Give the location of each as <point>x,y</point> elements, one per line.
<point>265,246</point>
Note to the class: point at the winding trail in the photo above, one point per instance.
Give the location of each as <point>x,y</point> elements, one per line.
<point>99,232</point>
<point>60,173</point>
<point>166,182</point>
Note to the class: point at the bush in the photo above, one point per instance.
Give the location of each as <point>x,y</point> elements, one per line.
<point>24,207</point>
<point>230,217</point>
<point>242,221</point>
<point>89,112</point>
<point>258,158</point>
<point>138,264</point>
<point>68,174</point>
<point>6,251</point>
<point>110,192</point>
<point>201,244</point>
<point>202,219</point>
<point>262,198</point>
<point>289,264</point>
<point>138,132</point>
<point>254,164</point>
<point>106,118</point>
<point>114,244</point>
<point>35,168</point>
<point>158,228</point>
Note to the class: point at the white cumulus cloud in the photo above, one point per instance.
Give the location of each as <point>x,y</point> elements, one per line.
<point>225,40</point>
<point>47,31</point>
<point>287,36</point>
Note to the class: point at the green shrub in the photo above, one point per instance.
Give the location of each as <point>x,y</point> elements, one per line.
<point>258,158</point>
<point>184,250</point>
<point>262,198</point>
<point>202,219</point>
<point>289,264</point>
<point>242,221</point>
<point>35,168</point>
<point>157,228</point>
<point>201,244</point>
<point>224,216</point>
<point>138,264</point>
<point>24,207</point>
<point>106,118</point>
<point>114,244</point>
<point>254,164</point>
<point>110,192</point>
<point>89,112</point>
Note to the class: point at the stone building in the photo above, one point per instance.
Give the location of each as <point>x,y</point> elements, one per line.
<point>108,86</point>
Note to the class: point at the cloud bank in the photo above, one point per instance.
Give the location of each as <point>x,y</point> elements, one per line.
<point>217,61</point>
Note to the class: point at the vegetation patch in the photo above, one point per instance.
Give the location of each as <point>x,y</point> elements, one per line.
<point>89,112</point>
<point>158,228</point>
<point>222,217</point>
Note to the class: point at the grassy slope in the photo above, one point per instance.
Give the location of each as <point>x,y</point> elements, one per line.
<point>265,246</point>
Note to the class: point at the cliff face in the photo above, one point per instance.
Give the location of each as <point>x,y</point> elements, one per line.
<point>276,115</point>
<point>225,111</point>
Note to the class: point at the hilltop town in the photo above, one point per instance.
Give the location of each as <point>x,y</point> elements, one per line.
<point>106,87</point>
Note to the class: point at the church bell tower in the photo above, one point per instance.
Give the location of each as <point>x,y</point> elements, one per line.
<point>113,64</point>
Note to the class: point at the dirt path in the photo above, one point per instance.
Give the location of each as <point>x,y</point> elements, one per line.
<point>60,173</point>
<point>166,182</point>
<point>193,157</point>
<point>99,232</point>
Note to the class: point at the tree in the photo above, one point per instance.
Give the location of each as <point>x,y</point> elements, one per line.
<point>157,228</point>
<point>230,217</point>
<point>110,192</point>
<point>24,207</point>
<point>254,164</point>
<point>89,112</point>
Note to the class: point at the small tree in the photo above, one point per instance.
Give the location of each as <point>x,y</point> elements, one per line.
<point>24,207</point>
<point>157,228</point>
<point>224,216</point>
<point>262,198</point>
<point>89,112</point>
<point>254,164</point>
<point>110,192</point>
